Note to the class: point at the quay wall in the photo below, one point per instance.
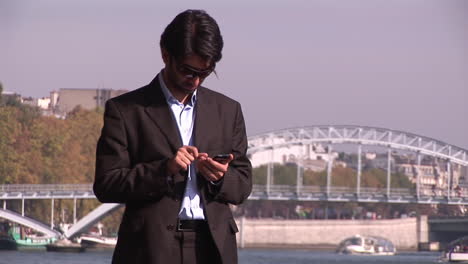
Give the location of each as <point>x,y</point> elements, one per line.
<point>405,233</point>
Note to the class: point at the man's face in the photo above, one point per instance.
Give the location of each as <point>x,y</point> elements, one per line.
<point>187,74</point>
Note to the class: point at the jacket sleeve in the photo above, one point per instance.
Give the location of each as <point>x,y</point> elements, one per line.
<point>236,184</point>
<point>117,180</point>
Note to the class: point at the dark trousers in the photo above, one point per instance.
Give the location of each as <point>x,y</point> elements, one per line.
<point>197,245</point>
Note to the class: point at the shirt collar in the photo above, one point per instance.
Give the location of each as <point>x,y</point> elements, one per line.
<point>170,99</point>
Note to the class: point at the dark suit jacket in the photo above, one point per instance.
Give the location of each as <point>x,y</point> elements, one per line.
<point>138,137</point>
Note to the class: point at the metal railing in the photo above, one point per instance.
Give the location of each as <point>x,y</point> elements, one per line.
<point>333,189</point>
<point>46,187</point>
<point>37,191</point>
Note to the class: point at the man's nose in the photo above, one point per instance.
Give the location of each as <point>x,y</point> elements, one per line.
<point>196,81</point>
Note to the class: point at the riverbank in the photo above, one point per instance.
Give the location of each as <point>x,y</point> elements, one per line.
<point>406,234</point>
<point>309,247</point>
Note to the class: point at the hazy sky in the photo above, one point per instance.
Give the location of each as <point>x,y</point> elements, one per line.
<point>394,64</point>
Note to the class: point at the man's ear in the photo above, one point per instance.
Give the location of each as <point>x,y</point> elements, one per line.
<point>165,56</point>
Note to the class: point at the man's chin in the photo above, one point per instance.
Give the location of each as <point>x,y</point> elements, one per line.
<point>189,89</point>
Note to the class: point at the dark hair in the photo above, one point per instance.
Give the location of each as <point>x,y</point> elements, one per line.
<point>193,32</point>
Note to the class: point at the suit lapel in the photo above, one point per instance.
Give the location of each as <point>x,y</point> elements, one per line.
<point>159,112</point>
<point>206,119</point>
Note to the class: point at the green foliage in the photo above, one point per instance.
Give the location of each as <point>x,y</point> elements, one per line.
<point>1,92</point>
<point>315,178</point>
<point>10,130</point>
<point>12,100</point>
<point>283,174</point>
<point>36,149</point>
<point>341,176</point>
<point>260,175</point>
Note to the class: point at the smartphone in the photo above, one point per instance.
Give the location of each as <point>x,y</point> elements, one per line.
<point>221,158</point>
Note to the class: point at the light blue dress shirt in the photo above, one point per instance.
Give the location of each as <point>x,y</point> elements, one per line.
<point>192,207</point>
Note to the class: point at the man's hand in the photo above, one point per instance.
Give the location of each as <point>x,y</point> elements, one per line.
<point>183,158</point>
<point>211,169</point>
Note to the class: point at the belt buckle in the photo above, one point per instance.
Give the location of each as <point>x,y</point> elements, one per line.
<point>179,227</point>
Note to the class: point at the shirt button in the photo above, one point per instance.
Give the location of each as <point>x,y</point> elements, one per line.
<point>170,227</point>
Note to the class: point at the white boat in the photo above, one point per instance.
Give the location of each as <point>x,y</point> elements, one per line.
<point>457,251</point>
<point>95,241</point>
<point>366,245</point>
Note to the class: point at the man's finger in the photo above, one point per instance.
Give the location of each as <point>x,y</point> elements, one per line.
<point>192,150</point>
<point>217,175</point>
<point>182,166</point>
<point>202,156</point>
<point>204,170</point>
<point>217,166</point>
<point>188,156</point>
<point>211,176</point>
<point>186,160</point>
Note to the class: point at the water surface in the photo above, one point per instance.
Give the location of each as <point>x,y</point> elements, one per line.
<point>246,256</point>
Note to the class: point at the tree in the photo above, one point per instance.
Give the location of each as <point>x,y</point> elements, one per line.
<point>1,93</point>
<point>282,174</point>
<point>9,132</point>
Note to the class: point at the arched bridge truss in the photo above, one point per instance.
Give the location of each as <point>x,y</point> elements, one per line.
<point>29,222</point>
<point>360,136</point>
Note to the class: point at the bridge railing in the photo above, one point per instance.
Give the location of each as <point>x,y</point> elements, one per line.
<point>393,191</point>
<point>256,188</point>
<point>313,189</point>
<point>282,190</point>
<point>462,193</point>
<point>333,189</point>
<point>46,187</point>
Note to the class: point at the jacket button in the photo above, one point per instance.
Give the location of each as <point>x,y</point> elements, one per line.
<point>170,227</point>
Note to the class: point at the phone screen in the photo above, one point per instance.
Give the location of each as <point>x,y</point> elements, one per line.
<point>221,157</point>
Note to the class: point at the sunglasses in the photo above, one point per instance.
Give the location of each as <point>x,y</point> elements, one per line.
<point>190,72</point>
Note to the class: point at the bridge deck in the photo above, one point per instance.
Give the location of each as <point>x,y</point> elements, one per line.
<point>259,192</point>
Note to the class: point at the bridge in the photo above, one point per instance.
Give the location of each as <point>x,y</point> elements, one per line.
<point>29,222</point>
<point>53,192</point>
<point>448,229</point>
<point>276,192</point>
<point>302,138</point>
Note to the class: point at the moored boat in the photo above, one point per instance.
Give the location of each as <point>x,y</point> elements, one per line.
<point>96,241</point>
<point>457,251</point>
<point>6,240</point>
<point>65,245</point>
<point>366,245</point>
<point>26,238</point>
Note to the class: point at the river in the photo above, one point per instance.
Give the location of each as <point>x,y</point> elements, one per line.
<point>246,256</point>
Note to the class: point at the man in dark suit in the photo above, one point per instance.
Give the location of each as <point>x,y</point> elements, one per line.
<point>156,154</point>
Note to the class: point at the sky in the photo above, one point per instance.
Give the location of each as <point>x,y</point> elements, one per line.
<point>397,64</point>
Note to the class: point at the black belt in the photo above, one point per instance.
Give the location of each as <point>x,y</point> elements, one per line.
<point>191,225</point>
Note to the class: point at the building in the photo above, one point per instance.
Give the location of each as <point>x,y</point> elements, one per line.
<point>69,98</point>
<point>10,96</point>
<point>434,175</point>
<point>311,156</point>
<point>43,103</point>
<point>429,174</point>
<point>60,103</point>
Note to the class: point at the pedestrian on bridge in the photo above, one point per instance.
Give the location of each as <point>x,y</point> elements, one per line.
<point>156,155</point>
